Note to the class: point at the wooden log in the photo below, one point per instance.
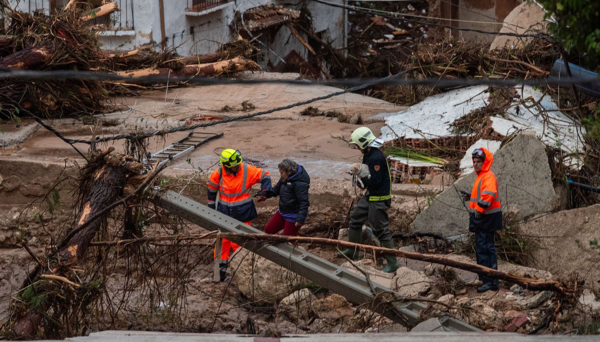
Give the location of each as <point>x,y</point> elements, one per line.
<point>108,182</point>
<point>101,11</point>
<point>211,69</point>
<point>202,59</point>
<point>124,55</point>
<point>527,282</point>
<point>27,58</point>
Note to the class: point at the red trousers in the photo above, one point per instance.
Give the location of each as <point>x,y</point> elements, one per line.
<point>226,248</point>
<point>277,223</point>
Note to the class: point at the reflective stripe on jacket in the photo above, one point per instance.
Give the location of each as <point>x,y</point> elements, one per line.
<point>484,196</point>
<point>234,190</point>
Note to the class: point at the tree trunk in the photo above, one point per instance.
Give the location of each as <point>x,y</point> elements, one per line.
<point>108,183</point>
<point>101,11</point>
<point>202,59</point>
<point>27,58</point>
<point>212,69</point>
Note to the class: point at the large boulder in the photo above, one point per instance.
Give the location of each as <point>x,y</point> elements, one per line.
<point>524,182</point>
<point>523,19</point>
<point>564,242</point>
<point>263,281</point>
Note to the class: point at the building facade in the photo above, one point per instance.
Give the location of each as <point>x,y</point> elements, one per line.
<point>199,26</point>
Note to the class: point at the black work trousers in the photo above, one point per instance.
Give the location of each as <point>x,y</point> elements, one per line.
<point>376,214</point>
<point>485,250</point>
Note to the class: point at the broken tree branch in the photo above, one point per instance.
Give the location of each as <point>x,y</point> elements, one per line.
<point>532,67</point>
<point>530,283</point>
<point>27,58</point>
<point>212,69</point>
<point>101,11</point>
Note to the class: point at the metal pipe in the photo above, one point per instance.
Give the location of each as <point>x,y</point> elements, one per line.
<point>584,186</point>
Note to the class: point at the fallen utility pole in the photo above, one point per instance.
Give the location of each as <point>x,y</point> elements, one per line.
<point>356,288</point>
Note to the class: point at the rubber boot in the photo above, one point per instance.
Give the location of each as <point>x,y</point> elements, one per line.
<point>392,262</point>
<point>223,270</point>
<point>354,235</point>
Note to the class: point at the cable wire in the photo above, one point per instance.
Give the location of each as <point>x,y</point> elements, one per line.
<point>214,123</point>
<point>35,75</point>
<point>399,16</point>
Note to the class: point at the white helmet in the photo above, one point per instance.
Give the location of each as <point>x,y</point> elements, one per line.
<point>362,137</point>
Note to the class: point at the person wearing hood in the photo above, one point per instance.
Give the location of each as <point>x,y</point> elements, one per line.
<point>292,190</point>
<point>485,214</point>
<point>374,175</point>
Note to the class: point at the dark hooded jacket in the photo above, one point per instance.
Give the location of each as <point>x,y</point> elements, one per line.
<point>485,199</point>
<point>293,194</point>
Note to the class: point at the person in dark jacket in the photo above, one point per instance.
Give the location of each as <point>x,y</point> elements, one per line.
<point>485,214</point>
<point>292,190</point>
<point>374,175</point>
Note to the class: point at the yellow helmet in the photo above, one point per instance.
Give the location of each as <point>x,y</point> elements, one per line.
<point>231,158</point>
<point>362,137</point>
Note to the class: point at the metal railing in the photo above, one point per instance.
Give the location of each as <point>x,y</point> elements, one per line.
<point>203,5</point>
<point>120,20</point>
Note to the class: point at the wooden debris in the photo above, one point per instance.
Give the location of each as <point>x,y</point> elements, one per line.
<point>211,69</point>
<point>101,11</point>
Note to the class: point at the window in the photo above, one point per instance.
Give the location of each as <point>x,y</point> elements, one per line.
<point>119,20</point>
<point>203,5</point>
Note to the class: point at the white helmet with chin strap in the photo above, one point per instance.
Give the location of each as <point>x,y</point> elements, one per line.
<point>362,137</point>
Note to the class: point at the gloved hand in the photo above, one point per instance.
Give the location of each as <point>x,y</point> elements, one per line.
<point>360,170</point>
<point>465,196</point>
<point>478,215</point>
<point>212,206</point>
<point>261,195</point>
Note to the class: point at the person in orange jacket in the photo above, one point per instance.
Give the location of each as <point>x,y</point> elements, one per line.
<point>485,214</point>
<point>233,180</point>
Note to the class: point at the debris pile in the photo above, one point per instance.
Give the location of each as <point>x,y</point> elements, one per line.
<point>58,42</point>
<point>66,41</point>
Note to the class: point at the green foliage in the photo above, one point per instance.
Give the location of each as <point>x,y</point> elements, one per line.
<point>592,127</point>
<point>590,329</point>
<point>32,297</point>
<point>577,26</point>
<point>53,200</point>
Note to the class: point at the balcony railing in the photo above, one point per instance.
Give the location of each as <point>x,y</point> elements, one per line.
<point>117,21</point>
<point>203,5</point>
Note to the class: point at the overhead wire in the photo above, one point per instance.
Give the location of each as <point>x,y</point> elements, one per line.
<point>214,123</point>
<point>36,75</point>
<point>399,16</point>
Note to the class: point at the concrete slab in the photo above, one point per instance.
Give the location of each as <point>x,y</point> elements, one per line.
<point>524,185</point>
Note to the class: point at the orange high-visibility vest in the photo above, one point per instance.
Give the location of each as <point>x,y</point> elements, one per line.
<point>234,190</point>
<point>484,196</point>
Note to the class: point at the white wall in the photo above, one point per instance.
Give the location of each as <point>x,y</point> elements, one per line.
<point>203,34</point>
<point>145,19</point>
